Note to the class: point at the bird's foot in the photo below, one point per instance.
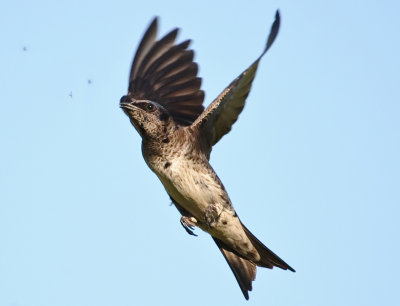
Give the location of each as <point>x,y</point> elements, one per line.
<point>188,224</point>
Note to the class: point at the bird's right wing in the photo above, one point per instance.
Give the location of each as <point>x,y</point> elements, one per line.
<point>222,113</point>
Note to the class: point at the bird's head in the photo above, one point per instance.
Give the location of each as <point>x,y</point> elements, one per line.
<point>149,118</point>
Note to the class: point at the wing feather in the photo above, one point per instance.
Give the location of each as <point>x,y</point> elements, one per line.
<point>222,113</point>
<point>164,72</point>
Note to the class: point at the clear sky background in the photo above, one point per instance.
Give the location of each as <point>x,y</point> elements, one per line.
<point>312,165</point>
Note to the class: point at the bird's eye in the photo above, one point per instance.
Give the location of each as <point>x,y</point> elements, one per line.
<point>150,107</point>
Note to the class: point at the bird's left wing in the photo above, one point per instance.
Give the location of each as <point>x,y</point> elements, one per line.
<point>222,113</point>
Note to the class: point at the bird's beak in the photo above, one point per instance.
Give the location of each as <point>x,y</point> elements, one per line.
<point>127,106</point>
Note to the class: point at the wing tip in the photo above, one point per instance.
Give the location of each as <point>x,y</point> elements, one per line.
<point>277,14</point>
<point>154,21</point>
<point>153,27</point>
<point>274,31</point>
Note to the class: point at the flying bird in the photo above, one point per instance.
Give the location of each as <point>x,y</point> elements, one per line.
<point>165,105</point>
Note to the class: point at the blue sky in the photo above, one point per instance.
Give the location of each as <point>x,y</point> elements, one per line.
<point>312,165</point>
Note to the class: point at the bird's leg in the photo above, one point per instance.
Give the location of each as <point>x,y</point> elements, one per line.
<point>188,224</point>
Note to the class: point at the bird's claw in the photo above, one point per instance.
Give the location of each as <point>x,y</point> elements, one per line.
<point>188,224</point>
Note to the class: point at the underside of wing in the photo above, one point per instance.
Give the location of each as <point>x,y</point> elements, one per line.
<point>222,113</point>
<point>164,72</point>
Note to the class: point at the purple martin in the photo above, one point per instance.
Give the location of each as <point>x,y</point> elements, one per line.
<point>165,105</point>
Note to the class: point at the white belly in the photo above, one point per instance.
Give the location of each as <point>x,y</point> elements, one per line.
<point>192,187</point>
<point>195,188</point>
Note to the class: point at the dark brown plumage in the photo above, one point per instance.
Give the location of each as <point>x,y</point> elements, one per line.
<point>164,103</point>
<point>166,73</point>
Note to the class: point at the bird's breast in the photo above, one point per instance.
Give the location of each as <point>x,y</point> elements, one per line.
<point>191,183</point>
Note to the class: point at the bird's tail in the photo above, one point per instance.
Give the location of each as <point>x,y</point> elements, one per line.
<point>244,269</point>
<point>268,258</point>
